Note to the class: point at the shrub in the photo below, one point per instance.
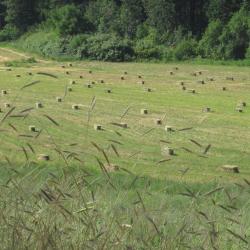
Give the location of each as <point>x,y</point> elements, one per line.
<point>186,49</point>
<point>9,33</point>
<point>210,42</point>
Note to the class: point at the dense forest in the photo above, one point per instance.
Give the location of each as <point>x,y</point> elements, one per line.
<point>121,30</point>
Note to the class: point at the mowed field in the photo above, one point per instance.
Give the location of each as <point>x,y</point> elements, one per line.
<point>118,187</point>
<point>140,147</point>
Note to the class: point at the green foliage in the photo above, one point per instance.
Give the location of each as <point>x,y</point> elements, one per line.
<point>69,20</point>
<point>186,49</point>
<point>209,43</point>
<point>236,36</point>
<point>9,33</point>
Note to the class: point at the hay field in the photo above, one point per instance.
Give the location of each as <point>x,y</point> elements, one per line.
<point>207,110</point>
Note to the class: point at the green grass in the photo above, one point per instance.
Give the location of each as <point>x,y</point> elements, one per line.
<point>40,200</point>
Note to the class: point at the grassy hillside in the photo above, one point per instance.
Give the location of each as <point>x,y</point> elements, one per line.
<point>153,200</point>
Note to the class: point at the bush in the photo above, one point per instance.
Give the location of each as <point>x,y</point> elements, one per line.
<point>69,20</point>
<point>236,36</point>
<point>9,33</point>
<point>210,42</point>
<point>186,49</point>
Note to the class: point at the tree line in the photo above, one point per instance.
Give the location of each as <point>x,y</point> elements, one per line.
<point>119,30</point>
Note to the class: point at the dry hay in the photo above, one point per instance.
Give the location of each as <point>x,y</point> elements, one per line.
<point>168,129</point>
<point>43,157</point>
<point>102,81</point>
<point>125,72</point>
<point>32,128</point>
<point>7,105</point>
<point>70,65</point>
<point>167,151</point>
<point>59,99</point>
<point>72,82</point>
<point>90,72</point>
<point>81,77</point>
<point>4,92</point>
<point>158,121</point>
<point>69,89</point>
<point>97,127</point>
<point>149,90</point>
<point>75,107</point>
<point>231,168</point>
<point>144,111</point>
<point>122,78</point>
<point>182,83</point>
<point>171,73</point>
<point>224,88</point>
<point>201,82</point>
<point>109,91</point>
<point>18,76</point>
<point>183,88</point>
<point>39,105</point>
<point>207,110</point>
<point>67,72</point>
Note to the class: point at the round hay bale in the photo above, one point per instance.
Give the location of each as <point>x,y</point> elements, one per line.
<point>70,65</point>
<point>171,73</point>
<point>183,88</point>
<point>39,105</point>
<point>201,82</point>
<point>142,82</point>
<point>124,125</point>
<point>149,90</point>
<point>109,91</point>
<point>72,82</point>
<point>8,69</point>
<point>4,92</point>
<point>224,88</point>
<point>43,157</point>
<point>229,78</point>
<point>211,79</point>
<point>67,72</point>
<point>93,83</point>
<point>243,104</point>
<point>101,81</point>
<point>30,74</point>
<point>69,89</point>
<point>193,74</point>
<point>144,111</point>
<point>122,78</point>
<point>125,72</point>
<point>182,83</point>
<point>32,128</point>
<point>88,86</point>
<point>139,76</point>
<point>97,127</point>
<point>18,76</point>
<point>192,91</point>
<point>90,71</point>
<point>81,77</point>
<point>239,109</point>
<point>176,68</point>
<point>63,66</point>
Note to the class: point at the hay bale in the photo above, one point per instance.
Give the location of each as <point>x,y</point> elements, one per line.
<point>75,107</point>
<point>97,127</point>
<point>30,74</point>
<point>231,169</point>
<point>182,83</point>
<point>43,157</point>
<point>192,91</point>
<point>8,69</point>
<point>4,92</point>
<point>211,79</point>
<point>168,129</point>
<point>139,76</point>
<point>144,111</point>
<point>39,105</point>
<point>63,66</point>
<point>72,82</point>
<point>7,105</point>
<point>18,76</point>
<point>89,85</point>
<point>207,110</point>
<point>149,90</point>
<point>93,83</point>
<point>70,65</point>
<point>239,109</point>
<point>124,125</point>
<point>193,74</point>
<point>59,99</point>
<point>199,72</point>
<point>243,104</point>
<point>122,78</point>
<point>229,78</point>
<point>109,91</point>
<point>142,82</point>
<point>69,89</point>
<point>67,72</point>
<point>32,128</point>
<point>183,88</point>
<point>90,71</point>
<point>224,88</point>
<point>81,77</point>
<point>176,68</point>
<point>101,81</point>
<point>171,73</point>
<point>125,72</point>
<point>158,121</point>
<point>201,82</point>
<point>167,151</point>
